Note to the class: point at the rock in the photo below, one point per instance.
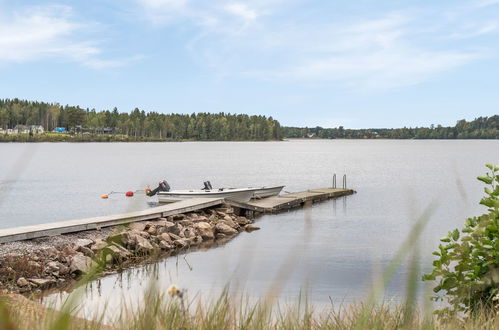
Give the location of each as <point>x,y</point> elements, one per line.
<point>52,266</point>
<point>42,282</point>
<point>186,223</point>
<point>165,237</point>
<point>220,236</point>
<point>196,240</point>
<point>181,243</point>
<point>137,226</point>
<point>174,237</point>
<point>242,221</point>
<point>144,234</point>
<point>202,218</point>
<point>193,216</point>
<point>250,228</point>
<point>99,245</point>
<point>117,252</point>
<point>165,245</point>
<point>63,270</point>
<point>205,230</point>
<point>223,228</point>
<point>86,251</point>
<point>22,282</point>
<point>83,242</point>
<point>142,245</point>
<point>189,233</point>
<point>151,230</point>
<point>68,251</point>
<point>229,222</point>
<point>80,264</point>
<point>176,229</point>
<point>164,227</point>
<point>178,217</point>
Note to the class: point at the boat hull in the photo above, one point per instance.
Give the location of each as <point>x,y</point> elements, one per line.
<point>239,195</point>
<point>267,192</point>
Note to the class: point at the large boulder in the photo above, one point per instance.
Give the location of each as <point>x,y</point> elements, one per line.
<point>80,264</point>
<point>205,230</point>
<point>225,229</point>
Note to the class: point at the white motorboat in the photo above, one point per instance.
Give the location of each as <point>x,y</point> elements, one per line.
<point>235,194</point>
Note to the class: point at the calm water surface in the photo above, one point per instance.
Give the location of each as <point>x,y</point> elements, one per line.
<point>333,250</point>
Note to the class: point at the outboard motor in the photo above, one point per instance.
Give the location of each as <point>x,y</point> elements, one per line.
<point>162,186</point>
<point>207,185</point>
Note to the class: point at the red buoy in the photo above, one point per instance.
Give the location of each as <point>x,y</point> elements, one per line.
<point>129,193</point>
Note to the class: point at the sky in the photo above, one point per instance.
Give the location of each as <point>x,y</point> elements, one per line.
<point>358,64</point>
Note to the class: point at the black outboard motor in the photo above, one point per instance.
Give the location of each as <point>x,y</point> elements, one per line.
<point>207,185</point>
<point>162,186</point>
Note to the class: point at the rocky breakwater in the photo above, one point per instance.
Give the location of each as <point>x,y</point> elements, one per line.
<point>32,266</point>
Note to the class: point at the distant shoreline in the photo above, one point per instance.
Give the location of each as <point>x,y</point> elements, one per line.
<point>68,138</point>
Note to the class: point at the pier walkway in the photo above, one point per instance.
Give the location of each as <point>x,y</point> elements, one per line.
<point>265,205</point>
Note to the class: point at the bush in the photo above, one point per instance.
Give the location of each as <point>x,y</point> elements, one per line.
<point>468,260</point>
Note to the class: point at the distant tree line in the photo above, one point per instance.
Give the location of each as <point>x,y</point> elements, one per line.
<point>138,123</point>
<point>141,125</point>
<point>480,128</point>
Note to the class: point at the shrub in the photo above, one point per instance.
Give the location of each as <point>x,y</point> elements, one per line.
<point>467,267</point>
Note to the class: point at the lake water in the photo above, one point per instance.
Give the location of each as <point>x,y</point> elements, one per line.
<point>332,250</point>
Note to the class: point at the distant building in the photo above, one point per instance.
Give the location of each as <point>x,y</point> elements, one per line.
<point>12,131</point>
<point>27,129</point>
<point>2,131</point>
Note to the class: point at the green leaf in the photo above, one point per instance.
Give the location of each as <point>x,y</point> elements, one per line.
<point>445,239</point>
<point>486,179</point>
<point>490,166</point>
<point>455,235</point>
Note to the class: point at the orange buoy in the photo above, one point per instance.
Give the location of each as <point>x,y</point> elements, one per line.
<point>129,193</point>
<point>104,196</point>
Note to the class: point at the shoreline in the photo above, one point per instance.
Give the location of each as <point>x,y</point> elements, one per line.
<point>58,262</point>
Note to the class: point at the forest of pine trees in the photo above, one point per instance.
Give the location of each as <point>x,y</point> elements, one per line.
<point>144,126</point>
<point>480,128</point>
<point>140,124</point>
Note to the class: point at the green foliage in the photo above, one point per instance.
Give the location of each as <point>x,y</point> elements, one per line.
<point>467,267</point>
<point>480,128</point>
<point>136,126</point>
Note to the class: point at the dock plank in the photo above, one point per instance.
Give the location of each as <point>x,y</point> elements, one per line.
<point>71,226</point>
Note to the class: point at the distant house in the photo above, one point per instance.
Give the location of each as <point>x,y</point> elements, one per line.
<point>311,135</point>
<point>37,129</point>
<point>27,129</point>
<point>22,129</point>
<point>2,131</point>
<point>60,130</point>
<point>12,131</point>
<point>104,130</point>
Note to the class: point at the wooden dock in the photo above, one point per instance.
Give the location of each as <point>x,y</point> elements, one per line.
<point>291,200</point>
<point>265,205</point>
<point>72,226</point>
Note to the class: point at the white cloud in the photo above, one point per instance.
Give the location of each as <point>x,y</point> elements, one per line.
<point>241,10</point>
<point>380,51</point>
<point>41,32</point>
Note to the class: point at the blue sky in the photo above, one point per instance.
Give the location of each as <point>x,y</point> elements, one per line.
<point>359,64</point>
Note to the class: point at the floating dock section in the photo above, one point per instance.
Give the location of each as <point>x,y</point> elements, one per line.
<point>265,205</point>
<point>288,201</point>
